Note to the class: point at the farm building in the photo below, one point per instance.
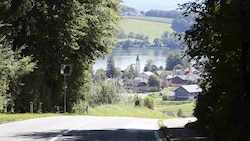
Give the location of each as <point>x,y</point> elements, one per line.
<point>187,92</point>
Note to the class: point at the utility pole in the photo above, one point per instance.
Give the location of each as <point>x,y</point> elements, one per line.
<point>66,70</point>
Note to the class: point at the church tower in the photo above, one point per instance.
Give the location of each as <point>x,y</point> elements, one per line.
<point>138,66</point>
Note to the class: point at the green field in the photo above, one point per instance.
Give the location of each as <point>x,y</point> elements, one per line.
<point>186,106</point>
<point>153,27</point>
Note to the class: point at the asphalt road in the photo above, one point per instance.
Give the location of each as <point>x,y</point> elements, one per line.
<point>82,128</point>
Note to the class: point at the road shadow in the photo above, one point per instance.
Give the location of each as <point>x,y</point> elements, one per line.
<point>185,134</point>
<point>95,135</point>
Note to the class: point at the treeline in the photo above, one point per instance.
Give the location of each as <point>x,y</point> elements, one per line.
<point>168,40</point>
<point>163,13</point>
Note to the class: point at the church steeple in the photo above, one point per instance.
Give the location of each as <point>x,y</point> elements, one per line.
<point>138,68</point>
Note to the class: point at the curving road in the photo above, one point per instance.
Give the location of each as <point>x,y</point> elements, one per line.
<point>82,128</point>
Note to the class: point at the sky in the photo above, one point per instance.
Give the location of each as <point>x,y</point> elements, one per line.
<point>146,5</point>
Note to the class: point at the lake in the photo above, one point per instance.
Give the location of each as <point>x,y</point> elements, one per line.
<point>124,58</point>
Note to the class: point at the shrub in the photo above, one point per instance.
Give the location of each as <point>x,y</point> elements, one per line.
<point>180,113</point>
<point>164,97</point>
<point>138,100</point>
<point>149,102</point>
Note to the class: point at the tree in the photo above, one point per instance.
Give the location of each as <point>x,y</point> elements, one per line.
<point>131,72</point>
<point>58,32</point>
<point>118,72</point>
<point>173,60</point>
<point>157,42</point>
<point>149,65</point>
<point>104,92</point>
<point>100,75</point>
<point>182,23</point>
<point>219,43</point>
<point>131,35</point>
<point>154,81</point>
<point>12,67</point>
<point>110,71</point>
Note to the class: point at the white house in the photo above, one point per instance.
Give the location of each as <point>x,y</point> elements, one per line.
<point>146,75</point>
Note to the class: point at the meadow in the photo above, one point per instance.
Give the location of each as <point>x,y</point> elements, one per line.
<point>153,27</point>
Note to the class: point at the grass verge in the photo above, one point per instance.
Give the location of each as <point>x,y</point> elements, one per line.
<point>127,111</point>
<point>5,118</point>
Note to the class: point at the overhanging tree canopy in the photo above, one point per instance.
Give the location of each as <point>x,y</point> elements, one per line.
<point>58,32</point>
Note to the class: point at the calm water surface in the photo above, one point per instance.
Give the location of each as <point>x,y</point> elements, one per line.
<point>124,58</point>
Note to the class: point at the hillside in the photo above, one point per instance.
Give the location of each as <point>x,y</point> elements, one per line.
<point>153,27</point>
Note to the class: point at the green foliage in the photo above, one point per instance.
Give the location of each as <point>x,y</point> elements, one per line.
<point>182,23</point>
<point>118,72</point>
<point>172,60</point>
<point>110,71</point>
<point>164,97</point>
<point>100,75</point>
<point>58,32</point>
<point>131,72</point>
<point>12,67</point>
<point>149,102</point>
<point>180,113</point>
<point>104,92</point>
<point>138,100</point>
<point>150,66</point>
<point>154,81</point>
<point>219,43</point>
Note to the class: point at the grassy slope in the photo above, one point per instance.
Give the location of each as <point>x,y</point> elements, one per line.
<point>152,27</point>
<point>127,111</point>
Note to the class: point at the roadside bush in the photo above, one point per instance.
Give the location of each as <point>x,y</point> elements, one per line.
<point>149,102</point>
<point>180,113</point>
<point>164,97</point>
<point>138,100</point>
<point>104,92</point>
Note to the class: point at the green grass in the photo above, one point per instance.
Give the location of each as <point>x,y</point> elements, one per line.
<point>152,27</point>
<point>151,19</point>
<point>120,110</point>
<point>127,111</point>
<point>4,118</point>
<point>186,106</point>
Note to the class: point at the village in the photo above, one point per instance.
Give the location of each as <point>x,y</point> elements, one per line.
<point>183,83</point>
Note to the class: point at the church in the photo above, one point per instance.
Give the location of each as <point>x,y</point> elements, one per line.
<point>137,65</point>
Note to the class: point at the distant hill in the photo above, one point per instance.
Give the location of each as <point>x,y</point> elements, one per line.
<point>154,4</point>
<point>153,27</point>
